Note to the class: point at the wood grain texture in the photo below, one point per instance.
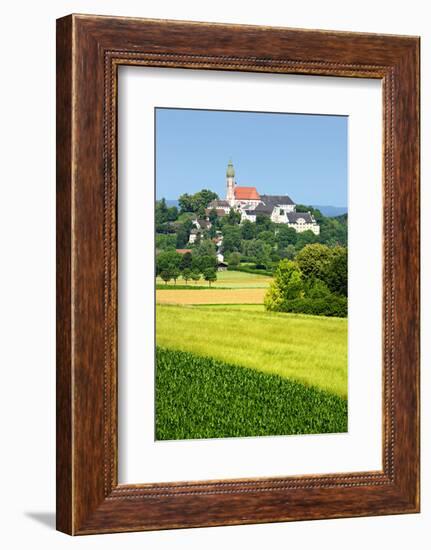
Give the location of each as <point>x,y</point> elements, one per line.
<point>64,495</point>
<point>90,49</point>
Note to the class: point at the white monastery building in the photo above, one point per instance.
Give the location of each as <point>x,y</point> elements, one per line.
<point>247,201</point>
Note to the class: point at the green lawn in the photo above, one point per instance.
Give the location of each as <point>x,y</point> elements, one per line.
<point>199,397</point>
<point>311,350</point>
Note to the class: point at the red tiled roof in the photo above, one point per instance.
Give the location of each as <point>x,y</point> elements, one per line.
<point>246,193</point>
<point>182,250</point>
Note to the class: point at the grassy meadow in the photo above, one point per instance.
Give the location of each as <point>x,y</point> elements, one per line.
<point>230,279</point>
<point>223,359</point>
<point>311,350</point>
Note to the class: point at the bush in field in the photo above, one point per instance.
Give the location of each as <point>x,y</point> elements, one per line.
<point>234,259</point>
<point>314,260</point>
<point>315,288</point>
<point>329,306</point>
<point>318,261</point>
<point>300,286</point>
<point>251,270</point>
<point>287,285</point>
<point>200,397</point>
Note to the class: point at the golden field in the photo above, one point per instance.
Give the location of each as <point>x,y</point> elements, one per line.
<point>211,296</point>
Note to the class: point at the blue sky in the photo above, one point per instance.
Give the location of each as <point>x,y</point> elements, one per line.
<point>303,156</point>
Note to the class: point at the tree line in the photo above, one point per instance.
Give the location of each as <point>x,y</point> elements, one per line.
<point>202,263</point>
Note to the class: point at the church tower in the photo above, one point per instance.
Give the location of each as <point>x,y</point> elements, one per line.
<point>230,183</point>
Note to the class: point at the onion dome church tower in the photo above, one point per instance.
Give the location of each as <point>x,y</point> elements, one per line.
<point>230,183</point>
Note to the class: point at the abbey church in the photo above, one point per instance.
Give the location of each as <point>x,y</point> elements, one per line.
<point>248,201</point>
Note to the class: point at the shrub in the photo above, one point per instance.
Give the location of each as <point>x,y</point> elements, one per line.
<point>329,306</point>
<point>251,270</point>
<point>315,288</point>
<point>234,259</point>
<point>287,285</point>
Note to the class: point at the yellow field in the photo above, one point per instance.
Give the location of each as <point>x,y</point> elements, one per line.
<point>216,296</point>
<point>309,349</point>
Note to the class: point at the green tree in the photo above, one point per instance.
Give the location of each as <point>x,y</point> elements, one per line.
<point>187,274</point>
<point>207,262</point>
<point>212,216</point>
<point>186,261</point>
<point>165,242</point>
<point>234,259</point>
<point>161,212</point>
<point>333,231</point>
<point>257,251</point>
<point>315,288</point>
<point>268,237</point>
<point>182,237</point>
<point>248,230</point>
<point>166,275</point>
<point>314,260</point>
<point>231,238</point>
<point>234,217</point>
<point>304,238</point>
<point>210,275</point>
<point>263,222</point>
<point>186,202</point>
<point>167,261</point>
<point>287,285</point>
<point>197,202</point>
<point>201,200</point>
<point>336,276</point>
<point>195,276</point>
<point>175,274</point>
<point>172,214</point>
<point>290,252</point>
<point>285,236</point>
<point>212,232</point>
<point>205,248</point>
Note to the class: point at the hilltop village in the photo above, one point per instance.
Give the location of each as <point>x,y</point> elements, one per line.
<point>243,230</point>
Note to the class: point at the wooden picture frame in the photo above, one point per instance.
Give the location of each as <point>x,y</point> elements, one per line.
<point>89,51</point>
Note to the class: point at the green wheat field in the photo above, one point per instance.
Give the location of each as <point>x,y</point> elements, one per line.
<point>235,370</point>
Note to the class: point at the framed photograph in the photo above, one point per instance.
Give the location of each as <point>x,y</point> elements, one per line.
<point>237,274</point>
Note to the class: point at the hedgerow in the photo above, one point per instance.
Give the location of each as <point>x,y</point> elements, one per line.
<point>330,306</point>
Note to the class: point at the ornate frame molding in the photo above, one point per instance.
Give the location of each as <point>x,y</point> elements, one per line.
<point>90,49</point>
